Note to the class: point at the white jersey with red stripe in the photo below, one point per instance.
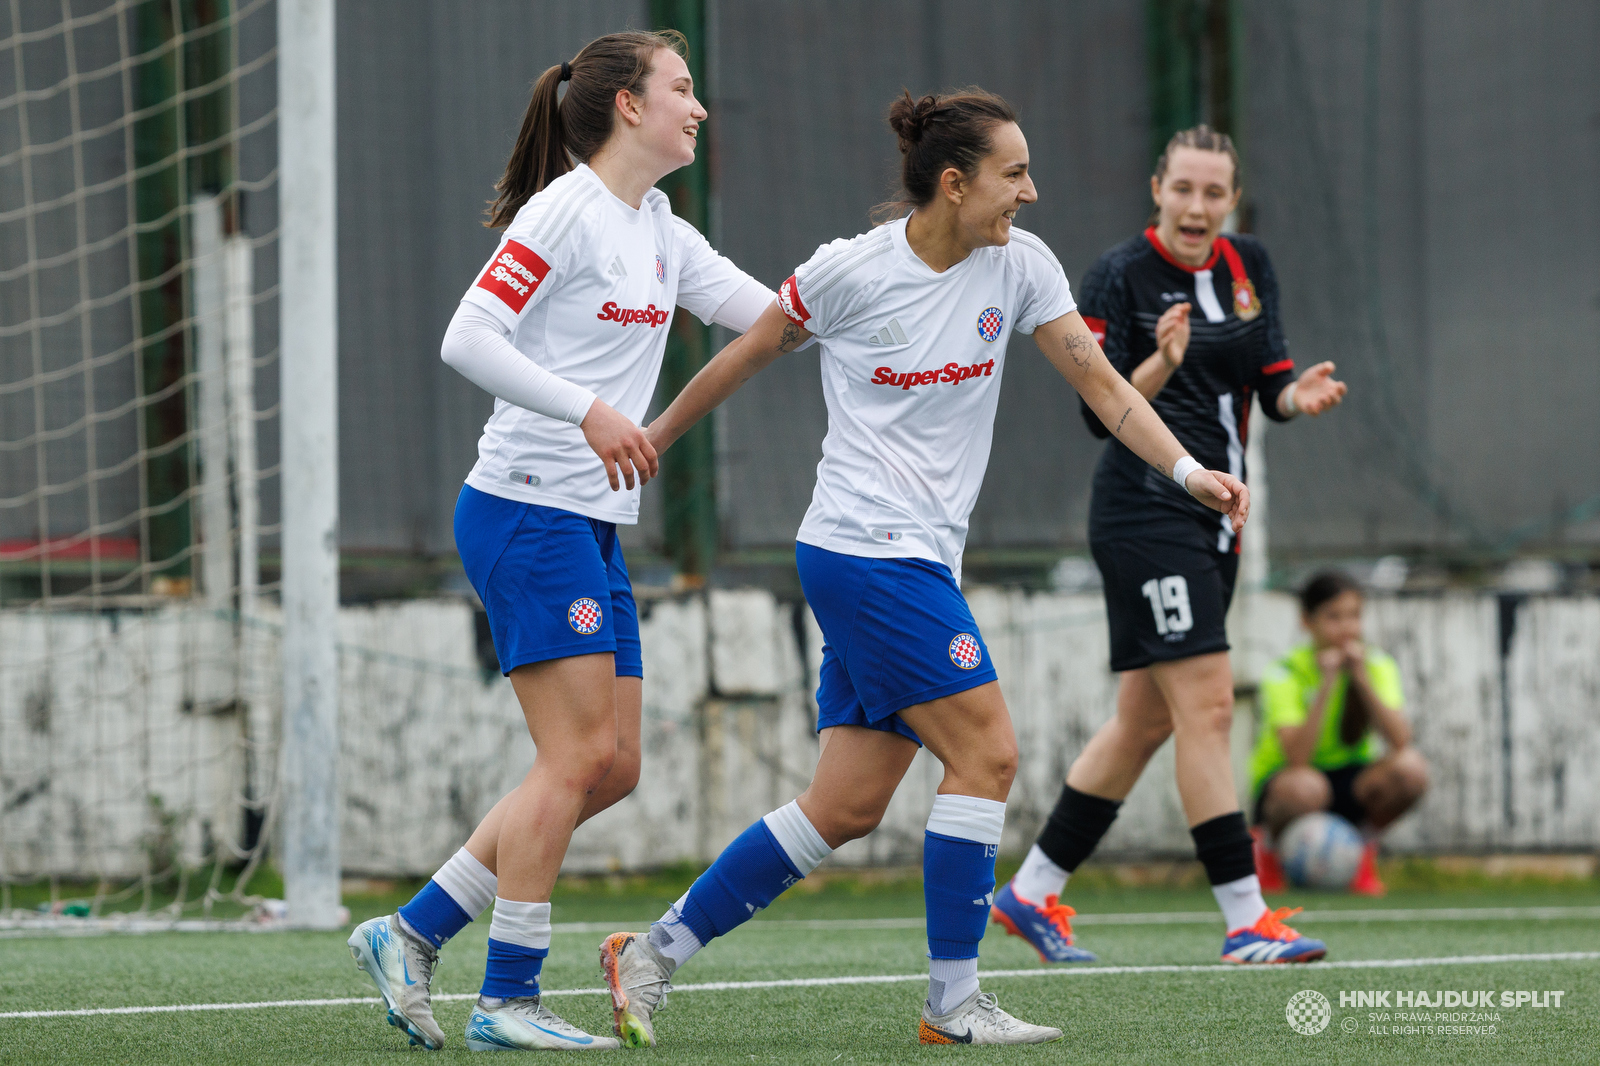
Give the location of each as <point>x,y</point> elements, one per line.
<point>586,287</point>
<point>911,366</point>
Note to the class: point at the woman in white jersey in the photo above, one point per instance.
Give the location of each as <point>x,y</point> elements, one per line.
<point>914,318</point>
<point>566,327</point>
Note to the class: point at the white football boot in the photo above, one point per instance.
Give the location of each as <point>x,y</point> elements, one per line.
<point>526,1024</point>
<point>979,1020</point>
<point>639,978</point>
<point>401,965</point>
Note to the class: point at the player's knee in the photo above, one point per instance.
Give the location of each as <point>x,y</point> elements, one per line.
<point>1410,772</point>
<point>855,824</point>
<point>593,764</point>
<point>1000,763</point>
<point>1151,735</point>
<point>839,825</point>
<point>1300,790</point>
<point>624,774</point>
<point>1213,717</point>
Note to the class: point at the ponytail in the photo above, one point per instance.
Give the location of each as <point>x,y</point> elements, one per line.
<point>556,129</point>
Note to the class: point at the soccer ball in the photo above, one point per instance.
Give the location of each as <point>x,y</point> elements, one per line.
<point>1320,850</point>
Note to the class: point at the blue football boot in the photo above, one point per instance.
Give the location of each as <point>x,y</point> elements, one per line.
<point>1047,928</point>
<point>1270,941</point>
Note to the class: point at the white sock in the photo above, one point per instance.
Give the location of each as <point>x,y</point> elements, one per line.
<point>673,939</point>
<point>1240,901</point>
<point>524,924</point>
<point>468,882</point>
<point>797,837</point>
<point>1038,878</point>
<point>968,818</point>
<point>950,982</point>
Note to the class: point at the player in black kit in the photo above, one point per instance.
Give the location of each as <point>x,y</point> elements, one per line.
<point>1191,318</point>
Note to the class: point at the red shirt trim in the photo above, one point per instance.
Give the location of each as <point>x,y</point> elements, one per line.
<point>1155,242</point>
<point>1279,367</point>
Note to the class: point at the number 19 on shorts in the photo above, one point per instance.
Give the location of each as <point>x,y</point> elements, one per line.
<point>1169,594</point>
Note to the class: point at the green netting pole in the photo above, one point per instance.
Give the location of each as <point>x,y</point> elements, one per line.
<point>688,471</point>
<point>179,151</point>
<point>158,196</point>
<point>1172,48</point>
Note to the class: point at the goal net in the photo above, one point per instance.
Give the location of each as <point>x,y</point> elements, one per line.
<point>138,453</point>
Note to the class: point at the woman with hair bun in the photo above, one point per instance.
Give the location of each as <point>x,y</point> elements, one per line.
<point>566,328</point>
<point>1169,566</point>
<point>913,320</point>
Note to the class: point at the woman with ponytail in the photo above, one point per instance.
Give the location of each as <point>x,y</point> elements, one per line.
<point>914,318</point>
<point>566,327</point>
<point>1169,566</point>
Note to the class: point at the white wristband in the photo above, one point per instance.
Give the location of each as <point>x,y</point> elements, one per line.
<point>1182,469</point>
<point>1289,407</point>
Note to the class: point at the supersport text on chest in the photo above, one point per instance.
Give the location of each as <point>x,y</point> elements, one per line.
<point>953,373</point>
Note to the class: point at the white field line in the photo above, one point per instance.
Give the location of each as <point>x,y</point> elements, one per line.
<point>871,979</point>
<point>57,926</point>
<point>1415,914</point>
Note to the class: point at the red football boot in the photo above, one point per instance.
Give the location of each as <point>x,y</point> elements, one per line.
<point>1268,870</point>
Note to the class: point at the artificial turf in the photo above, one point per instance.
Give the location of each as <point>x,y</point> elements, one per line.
<point>1233,1016</point>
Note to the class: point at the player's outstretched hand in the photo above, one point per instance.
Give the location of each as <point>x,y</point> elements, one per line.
<point>1316,391</point>
<point>1221,492</point>
<point>620,444</point>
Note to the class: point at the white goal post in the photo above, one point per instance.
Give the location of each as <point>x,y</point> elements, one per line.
<point>309,828</point>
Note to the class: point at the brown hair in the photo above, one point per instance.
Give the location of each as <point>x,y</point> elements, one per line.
<point>1206,139</point>
<point>936,132</point>
<point>1328,585</point>
<point>553,133</point>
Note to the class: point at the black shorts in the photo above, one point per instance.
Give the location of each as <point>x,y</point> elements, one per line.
<point>1167,593</point>
<point>1343,783</point>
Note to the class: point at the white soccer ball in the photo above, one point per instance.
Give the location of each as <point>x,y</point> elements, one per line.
<point>1320,850</point>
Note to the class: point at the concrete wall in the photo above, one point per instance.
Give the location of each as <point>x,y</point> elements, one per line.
<point>123,735</point>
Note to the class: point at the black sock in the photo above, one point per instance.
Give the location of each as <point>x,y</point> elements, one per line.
<point>1223,847</point>
<point>1076,826</point>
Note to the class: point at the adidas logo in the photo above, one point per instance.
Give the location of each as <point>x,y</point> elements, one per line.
<point>617,270</point>
<point>986,901</point>
<point>890,334</point>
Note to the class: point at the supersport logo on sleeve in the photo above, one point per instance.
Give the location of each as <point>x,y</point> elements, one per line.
<point>514,274</point>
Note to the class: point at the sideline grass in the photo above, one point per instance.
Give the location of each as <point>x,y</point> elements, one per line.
<point>1133,1018</point>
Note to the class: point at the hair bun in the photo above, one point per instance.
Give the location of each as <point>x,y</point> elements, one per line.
<point>909,118</point>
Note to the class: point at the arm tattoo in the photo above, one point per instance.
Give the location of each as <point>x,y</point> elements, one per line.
<point>791,335</point>
<point>1123,419</point>
<point>1079,348</point>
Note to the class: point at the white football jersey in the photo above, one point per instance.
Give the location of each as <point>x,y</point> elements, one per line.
<point>586,285</point>
<point>911,365</point>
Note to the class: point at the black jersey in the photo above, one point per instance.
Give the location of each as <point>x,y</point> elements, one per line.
<point>1236,349</point>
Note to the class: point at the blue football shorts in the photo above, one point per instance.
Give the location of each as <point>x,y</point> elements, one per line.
<point>553,582</point>
<point>897,633</point>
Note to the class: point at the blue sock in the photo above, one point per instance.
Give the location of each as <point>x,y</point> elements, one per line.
<point>749,874</point>
<point>434,914</point>
<point>513,970</point>
<point>958,890</point>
